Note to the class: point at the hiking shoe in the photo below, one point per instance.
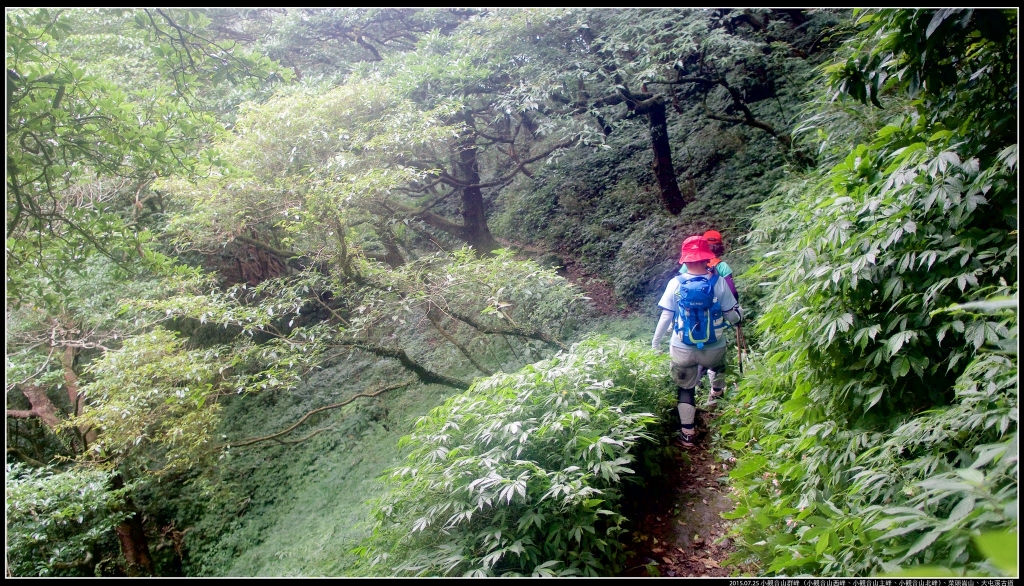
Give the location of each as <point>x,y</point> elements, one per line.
<point>687,440</point>
<point>713,397</point>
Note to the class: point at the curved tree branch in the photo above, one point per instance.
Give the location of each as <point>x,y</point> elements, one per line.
<point>82,563</point>
<point>425,375</point>
<point>452,181</point>
<point>512,331</point>
<point>24,457</point>
<point>431,315</point>
<point>274,436</point>
<point>368,46</point>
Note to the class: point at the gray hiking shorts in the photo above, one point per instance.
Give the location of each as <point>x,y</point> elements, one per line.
<point>686,360</point>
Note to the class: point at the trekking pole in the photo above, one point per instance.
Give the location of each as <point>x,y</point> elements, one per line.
<point>739,346</point>
<point>743,341</point>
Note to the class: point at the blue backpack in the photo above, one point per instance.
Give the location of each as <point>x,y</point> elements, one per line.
<point>697,310</point>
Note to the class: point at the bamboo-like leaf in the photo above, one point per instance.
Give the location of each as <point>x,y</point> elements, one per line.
<point>924,541</point>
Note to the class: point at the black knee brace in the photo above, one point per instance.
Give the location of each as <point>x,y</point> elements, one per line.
<point>687,409</point>
<point>687,396</point>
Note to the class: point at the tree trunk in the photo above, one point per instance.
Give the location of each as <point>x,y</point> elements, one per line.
<point>474,221</point>
<point>131,534</point>
<point>392,256</point>
<point>671,197</point>
<point>71,380</point>
<point>88,435</point>
<point>42,407</point>
<point>134,547</point>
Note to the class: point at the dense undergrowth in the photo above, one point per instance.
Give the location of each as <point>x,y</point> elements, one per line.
<point>244,523</point>
<point>878,428</point>
<point>523,473</point>
<point>297,509</point>
<point>296,505</point>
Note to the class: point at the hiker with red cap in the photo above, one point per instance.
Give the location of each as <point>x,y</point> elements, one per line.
<point>716,265</point>
<point>696,304</point>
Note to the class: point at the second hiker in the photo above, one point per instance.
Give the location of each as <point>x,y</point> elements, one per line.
<point>716,265</point>
<point>695,305</point>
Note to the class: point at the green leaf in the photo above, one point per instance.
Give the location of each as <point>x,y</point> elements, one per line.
<point>922,572</point>
<point>823,542</point>
<point>900,367</point>
<point>975,477</point>
<point>962,509</point>
<point>925,540</point>
<point>1000,548</point>
<point>748,466</point>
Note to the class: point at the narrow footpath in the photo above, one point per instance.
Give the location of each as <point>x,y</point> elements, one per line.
<point>682,533</point>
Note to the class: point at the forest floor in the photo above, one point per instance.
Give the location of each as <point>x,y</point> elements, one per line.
<point>680,532</point>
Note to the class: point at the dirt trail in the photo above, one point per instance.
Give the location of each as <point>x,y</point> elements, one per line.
<point>682,533</point>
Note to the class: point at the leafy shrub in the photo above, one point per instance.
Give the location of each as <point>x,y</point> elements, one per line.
<point>523,473</point>
<point>57,520</point>
<point>879,427</point>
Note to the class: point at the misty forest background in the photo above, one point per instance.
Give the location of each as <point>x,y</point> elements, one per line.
<point>304,291</point>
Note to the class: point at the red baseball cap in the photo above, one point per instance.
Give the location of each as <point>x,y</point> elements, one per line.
<point>713,236</point>
<point>695,248</point>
